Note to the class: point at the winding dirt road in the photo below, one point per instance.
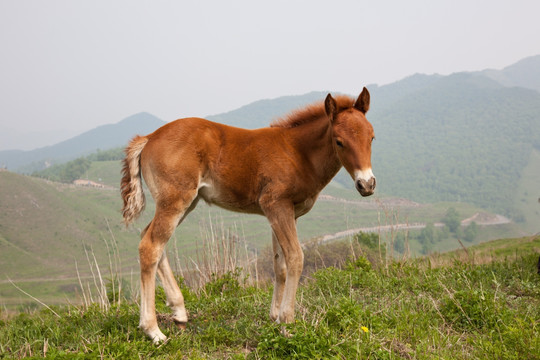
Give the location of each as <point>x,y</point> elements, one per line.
<point>482,219</point>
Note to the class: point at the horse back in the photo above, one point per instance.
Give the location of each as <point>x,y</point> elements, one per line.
<point>230,167</point>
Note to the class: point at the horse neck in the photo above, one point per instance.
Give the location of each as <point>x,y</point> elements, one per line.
<point>314,141</point>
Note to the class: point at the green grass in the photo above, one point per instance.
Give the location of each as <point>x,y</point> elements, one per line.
<point>396,310</point>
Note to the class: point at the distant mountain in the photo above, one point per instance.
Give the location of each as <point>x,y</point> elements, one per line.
<point>254,115</point>
<point>103,137</point>
<point>260,113</point>
<point>524,73</point>
<point>463,137</point>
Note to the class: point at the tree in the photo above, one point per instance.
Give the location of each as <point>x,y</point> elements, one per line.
<point>426,248</point>
<point>451,219</point>
<point>427,234</point>
<point>370,240</point>
<point>74,169</point>
<point>470,232</point>
<point>399,243</point>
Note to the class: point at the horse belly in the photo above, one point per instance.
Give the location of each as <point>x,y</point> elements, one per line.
<point>228,200</point>
<point>304,207</point>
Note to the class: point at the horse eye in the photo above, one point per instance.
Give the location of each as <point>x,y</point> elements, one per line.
<point>339,143</point>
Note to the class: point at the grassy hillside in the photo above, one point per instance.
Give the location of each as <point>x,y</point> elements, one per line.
<point>527,193</point>
<point>45,228</point>
<point>409,309</point>
<point>495,250</point>
<point>55,221</point>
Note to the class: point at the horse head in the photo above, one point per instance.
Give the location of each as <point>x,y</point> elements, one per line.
<point>352,135</point>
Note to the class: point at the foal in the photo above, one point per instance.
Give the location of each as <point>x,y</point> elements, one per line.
<point>277,172</point>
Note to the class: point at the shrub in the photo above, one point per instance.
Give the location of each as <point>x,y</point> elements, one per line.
<point>451,219</point>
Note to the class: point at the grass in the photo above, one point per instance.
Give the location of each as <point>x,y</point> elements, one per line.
<point>443,307</point>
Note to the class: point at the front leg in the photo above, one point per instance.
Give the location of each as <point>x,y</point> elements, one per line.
<point>280,272</point>
<point>282,220</point>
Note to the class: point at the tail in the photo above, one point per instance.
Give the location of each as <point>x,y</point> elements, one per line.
<point>131,185</point>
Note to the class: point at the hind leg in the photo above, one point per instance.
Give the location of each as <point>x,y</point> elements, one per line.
<point>175,299</point>
<point>151,253</point>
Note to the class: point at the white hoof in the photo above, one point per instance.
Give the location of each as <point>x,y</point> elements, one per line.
<point>180,315</point>
<point>156,335</point>
<point>286,333</point>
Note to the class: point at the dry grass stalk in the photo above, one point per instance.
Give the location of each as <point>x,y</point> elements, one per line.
<point>99,293</point>
<point>219,252</point>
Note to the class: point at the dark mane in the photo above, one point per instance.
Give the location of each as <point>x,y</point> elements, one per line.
<point>310,113</point>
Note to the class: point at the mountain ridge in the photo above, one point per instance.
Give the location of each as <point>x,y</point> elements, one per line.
<point>524,73</point>
<point>102,137</point>
<point>439,138</point>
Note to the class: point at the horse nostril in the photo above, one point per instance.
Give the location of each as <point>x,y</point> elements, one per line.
<point>359,185</point>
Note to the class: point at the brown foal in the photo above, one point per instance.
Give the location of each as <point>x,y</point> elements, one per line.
<point>277,172</point>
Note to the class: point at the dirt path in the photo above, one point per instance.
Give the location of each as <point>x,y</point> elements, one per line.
<point>483,219</point>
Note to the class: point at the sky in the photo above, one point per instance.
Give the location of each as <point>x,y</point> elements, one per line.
<point>69,66</point>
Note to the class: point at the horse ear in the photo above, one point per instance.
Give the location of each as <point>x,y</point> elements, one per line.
<point>362,103</point>
<point>330,107</point>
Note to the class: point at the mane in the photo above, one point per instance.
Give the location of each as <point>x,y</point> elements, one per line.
<point>311,113</point>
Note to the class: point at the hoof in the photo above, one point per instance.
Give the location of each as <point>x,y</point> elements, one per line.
<point>159,338</point>
<point>160,341</point>
<point>285,332</point>
<point>180,324</point>
<point>156,335</point>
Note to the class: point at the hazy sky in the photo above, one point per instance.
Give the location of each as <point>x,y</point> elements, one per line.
<point>69,66</point>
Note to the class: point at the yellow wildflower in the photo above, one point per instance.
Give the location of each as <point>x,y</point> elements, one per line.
<point>366,330</point>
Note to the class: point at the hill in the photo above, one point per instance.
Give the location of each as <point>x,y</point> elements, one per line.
<point>103,137</point>
<point>257,114</point>
<point>457,138</point>
<point>261,113</point>
<point>46,228</point>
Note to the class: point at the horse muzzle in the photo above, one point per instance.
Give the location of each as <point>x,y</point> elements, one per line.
<point>366,188</point>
